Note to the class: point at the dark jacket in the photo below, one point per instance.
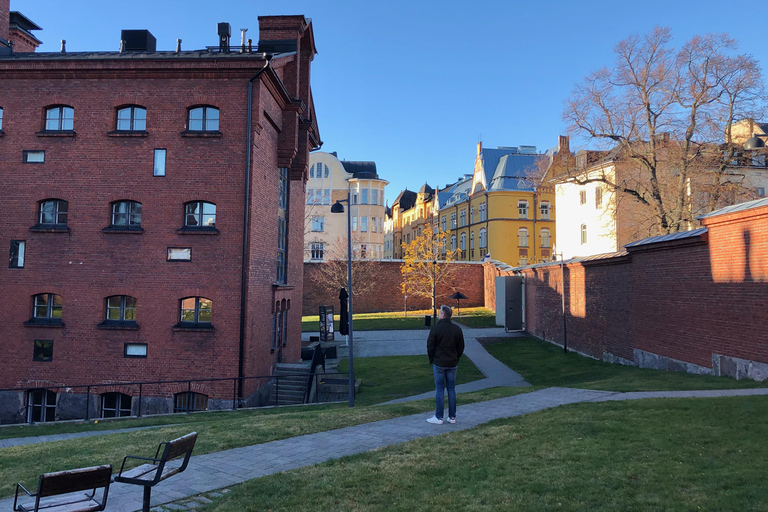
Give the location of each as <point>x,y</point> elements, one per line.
<point>445,344</point>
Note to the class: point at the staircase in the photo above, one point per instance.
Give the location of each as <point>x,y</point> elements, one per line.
<point>290,384</point>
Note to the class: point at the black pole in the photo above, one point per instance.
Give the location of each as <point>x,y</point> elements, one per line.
<point>349,278</point>
<point>562,273</point>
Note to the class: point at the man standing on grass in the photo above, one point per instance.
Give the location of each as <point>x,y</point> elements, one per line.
<point>444,348</point>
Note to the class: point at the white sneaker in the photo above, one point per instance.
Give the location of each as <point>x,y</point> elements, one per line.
<point>451,420</point>
<point>435,420</point>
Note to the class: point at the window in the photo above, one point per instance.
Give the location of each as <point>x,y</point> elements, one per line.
<point>43,350</point>
<point>1,119</point>
<point>582,197</point>
<point>327,196</point>
<point>598,197</point>
<point>41,405</point>
<point>444,246</point>
<point>453,242</point>
<point>482,212</point>
<point>317,251</point>
<point>760,191</point>
<point>453,220</point>
<point>463,242</point>
<point>282,226</point>
<point>442,224</point>
<point>364,223</point>
<point>472,241</point>
<point>363,251</point>
<point>354,197</point>
<point>196,310</point>
<point>483,241</point>
<point>544,210</point>
<point>364,196</point>
<point>132,119</point>
<point>373,224</point>
<point>115,405</point>
<point>310,196</point>
<point>53,212</point>
<point>354,223</point>
<point>522,209</point>
<point>126,214</point>
<point>59,119</point>
<point>199,214</point>
<point>203,119</point>
<point>179,254</point>
<point>318,223</point>
<point>135,350</point>
<point>33,157</point>
<point>159,168</point>
<point>472,215</point>
<point>47,306</point>
<point>522,237</point>
<point>583,234</point>
<point>16,257</point>
<point>374,196</point>
<point>312,171</point>
<point>189,401</point>
<point>121,308</point>
<point>463,218</point>
<point>545,240</point>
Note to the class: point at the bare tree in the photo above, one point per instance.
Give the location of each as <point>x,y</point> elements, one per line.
<point>334,271</point>
<point>665,115</point>
<point>422,274</point>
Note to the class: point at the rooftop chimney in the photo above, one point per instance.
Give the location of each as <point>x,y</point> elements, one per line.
<point>225,31</point>
<point>137,41</point>
<point>5,18</point>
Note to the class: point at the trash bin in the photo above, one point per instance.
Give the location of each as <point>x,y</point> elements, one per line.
<point>427,320</point>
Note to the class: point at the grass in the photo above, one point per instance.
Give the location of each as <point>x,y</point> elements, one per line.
<point>388,378</point>
<point>652,455</point>
<point>544,364</point>
<point>471,317</point>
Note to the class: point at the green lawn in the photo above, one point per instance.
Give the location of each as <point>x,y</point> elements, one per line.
<point>544,364</point>
<point>652,455</point>
<point>388,378</point>
<point>471,317</point>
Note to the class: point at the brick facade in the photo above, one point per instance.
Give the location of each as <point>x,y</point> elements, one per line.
<point>695,304</point>
<point>92,166</point>
<point>388,294</point>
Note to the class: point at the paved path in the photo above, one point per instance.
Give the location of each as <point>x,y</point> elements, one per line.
<point>19,441</point>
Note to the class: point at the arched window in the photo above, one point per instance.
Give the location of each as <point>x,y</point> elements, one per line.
<point>522,209</point>
<point>196,311</point>
<point>463,242</point>
<point>453,242</point>
<point>483,241</point>
<point>126,214</point>
<point>59,118</point>
<point>472,241</point>
<point>583,234</point>
<point>131,119</point>
<point>545,241</point>
<point>522,236</point>
<point>545,210</point>
<point>189,401</point>
<point>115,405</point>
<point>121,308</point>
<point>53,212</point>
<point>312,171</point>
<point>203,119</point>
<point>199,214</point>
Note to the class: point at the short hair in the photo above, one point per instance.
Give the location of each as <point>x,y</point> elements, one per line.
<point>447,311</point>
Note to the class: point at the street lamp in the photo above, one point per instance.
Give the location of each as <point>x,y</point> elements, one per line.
<point>339,208</point>
<point>562,294</point>
<point>434,295</point>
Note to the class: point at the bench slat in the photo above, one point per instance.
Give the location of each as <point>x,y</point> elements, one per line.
<point>63,482</point>
<point>85,505</point>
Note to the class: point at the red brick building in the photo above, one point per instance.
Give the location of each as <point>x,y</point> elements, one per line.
<point>149,199</point>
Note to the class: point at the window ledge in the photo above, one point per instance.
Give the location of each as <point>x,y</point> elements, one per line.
<point>123,230</point>
<point>49,228</point>
<point>214,134</point>
<point>128,133</point>
<point>190,327</point>
<point>118,325</point>
<point>197,231</point>
<point>56,133</point>
<point>283,287</point>
<point>55,323</point>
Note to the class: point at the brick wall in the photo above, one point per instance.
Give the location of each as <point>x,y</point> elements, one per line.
<point>5,18</point>
<point>685,301</point>
<point>388,294</point>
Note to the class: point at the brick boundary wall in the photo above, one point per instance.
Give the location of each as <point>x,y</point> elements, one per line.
<point>388,295</point>
<point>695,304</point>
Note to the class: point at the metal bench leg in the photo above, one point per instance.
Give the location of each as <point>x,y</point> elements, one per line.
<point>147,494</point>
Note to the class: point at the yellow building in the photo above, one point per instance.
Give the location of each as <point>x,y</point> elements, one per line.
<point>406,219</point>
<point>499,212</point>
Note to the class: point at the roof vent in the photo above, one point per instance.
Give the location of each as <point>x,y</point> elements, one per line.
<point>225,31</point>
<point>138,41</point>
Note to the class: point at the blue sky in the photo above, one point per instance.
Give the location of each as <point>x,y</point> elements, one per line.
<point>414,85</point>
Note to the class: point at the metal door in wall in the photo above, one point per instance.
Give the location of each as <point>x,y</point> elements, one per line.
<point>509,302</point>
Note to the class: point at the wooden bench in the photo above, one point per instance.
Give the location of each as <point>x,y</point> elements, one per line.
<point>166,463</point>
<point>61,483</point>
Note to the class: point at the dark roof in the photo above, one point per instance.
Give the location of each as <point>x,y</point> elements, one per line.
<point>406,199</point>
<point>426,189</point>
<point>23,22</point>
<point>757,203</point>
<point>189,54</point>
<point>361,170</point>
<point>668,238</point>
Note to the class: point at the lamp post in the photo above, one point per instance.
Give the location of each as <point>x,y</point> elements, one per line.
<point>562,295</point>
<point>339,208</point>
<point>434,287</point>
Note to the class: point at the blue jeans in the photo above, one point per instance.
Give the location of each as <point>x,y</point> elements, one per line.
<point>445,377</point>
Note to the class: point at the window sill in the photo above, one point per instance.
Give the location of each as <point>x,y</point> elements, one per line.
<point>122,230</point>
<point>202,134</point>
<point>188,327</point>
<point>283,287</point>
<point>118,325</point>
<point>56,133</point>
<point>52,228</point>
<point>54,323</point>
<point>128,133</point>
<point>197,231</point>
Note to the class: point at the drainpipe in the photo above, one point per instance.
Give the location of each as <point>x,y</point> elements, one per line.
<point>533,237</point>
<point>246,227</point>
